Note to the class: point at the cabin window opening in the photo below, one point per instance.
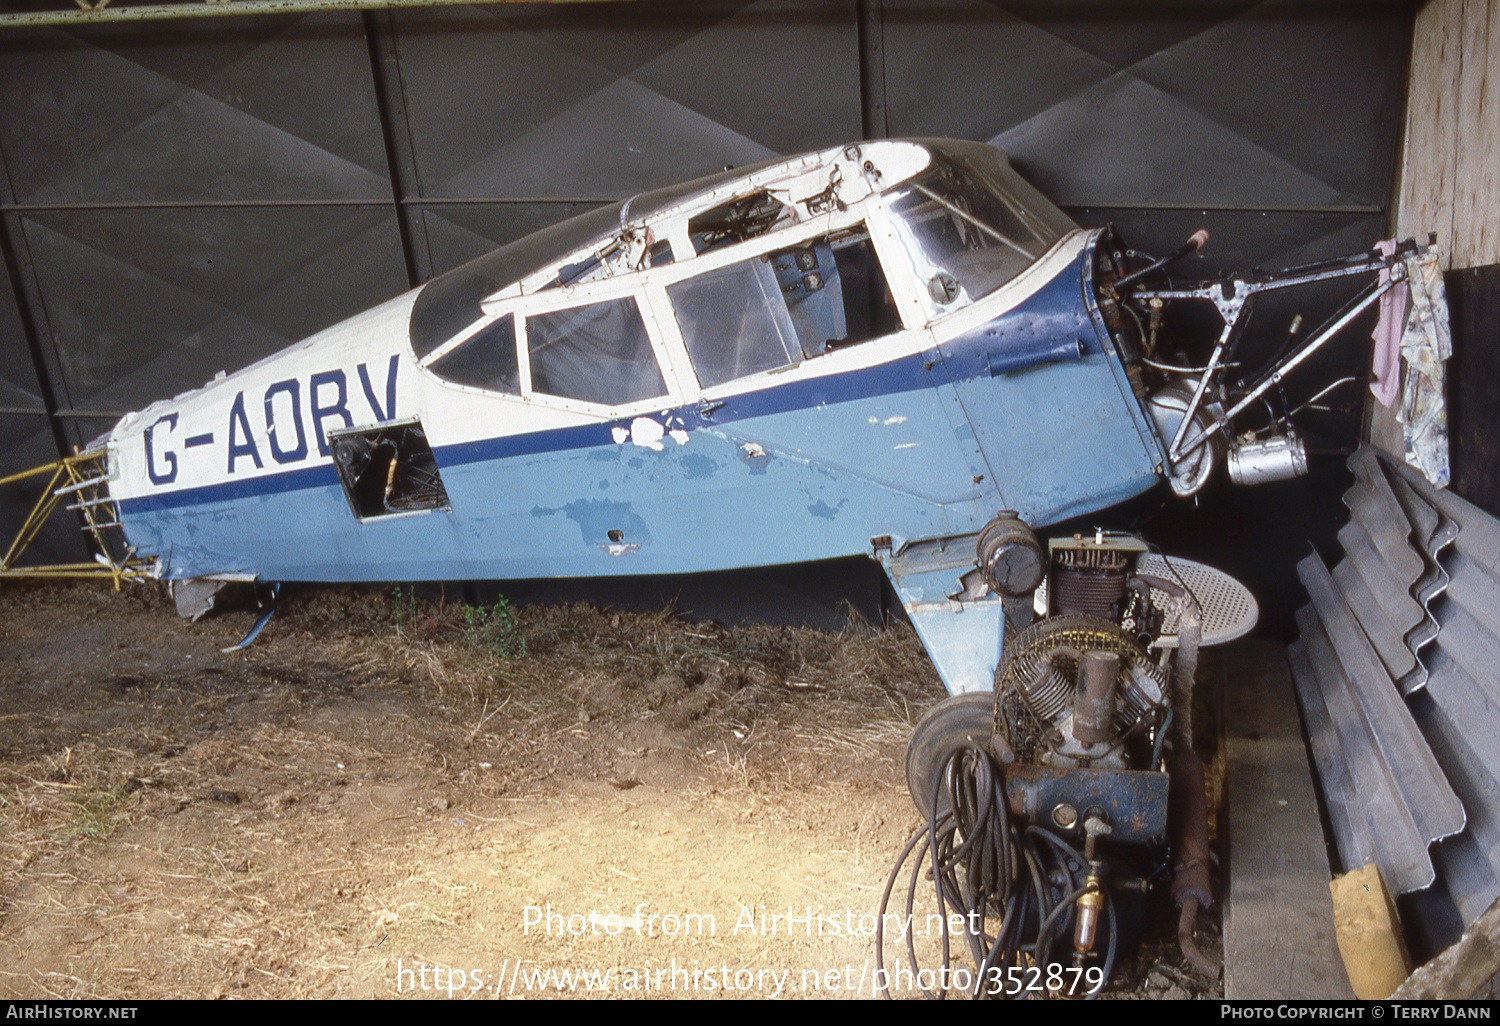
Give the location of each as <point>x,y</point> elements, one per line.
<point>599,353</point>
<point>744,218</point>
<point>835,292</point>
<point>487,360</point>
<point>735,322</point>
<point>777,309</point>
<point>388,470</point>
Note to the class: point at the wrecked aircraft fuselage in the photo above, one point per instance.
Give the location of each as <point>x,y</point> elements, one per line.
<point>784,371</point>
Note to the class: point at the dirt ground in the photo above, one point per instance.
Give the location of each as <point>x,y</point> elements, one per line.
<point>393,796</point>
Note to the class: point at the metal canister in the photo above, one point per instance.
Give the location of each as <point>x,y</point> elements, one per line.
<point>1278,458</point>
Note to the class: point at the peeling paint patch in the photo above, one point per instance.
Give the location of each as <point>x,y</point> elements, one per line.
<point>611,527</point>
<point>647,433</point>
<point>621,435</point>
<point>824,511</point>
<point>754,450</point>
<point>699,466</point>
<point>679,436</point>
<point>908,445</point>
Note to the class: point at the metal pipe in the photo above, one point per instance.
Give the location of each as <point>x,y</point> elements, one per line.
<point>1187,925</point>
<point>1093,705</point>
<point>100,14</point>
<point>1189,830</point>
<point>1189,640</point>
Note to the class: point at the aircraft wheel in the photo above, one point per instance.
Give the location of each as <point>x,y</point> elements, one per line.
<point>944,729</point>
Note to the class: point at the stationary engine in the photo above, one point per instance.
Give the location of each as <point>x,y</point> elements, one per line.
<point>1074,744</point>
<point>1079,684</point>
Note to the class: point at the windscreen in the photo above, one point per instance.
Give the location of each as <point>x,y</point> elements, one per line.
<point>970,224</point>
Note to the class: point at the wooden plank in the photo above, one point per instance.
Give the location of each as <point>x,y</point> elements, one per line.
<point>1450,168</point>
<point>1477,181</point>
<point>1427,188</point>
<point>1279,936</point>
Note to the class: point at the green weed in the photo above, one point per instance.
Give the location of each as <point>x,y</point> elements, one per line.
<point>495,629</point>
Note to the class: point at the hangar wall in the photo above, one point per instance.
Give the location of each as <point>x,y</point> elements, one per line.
<point>179,198</point>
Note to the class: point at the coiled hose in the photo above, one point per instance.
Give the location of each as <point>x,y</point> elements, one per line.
<point>985,866</point>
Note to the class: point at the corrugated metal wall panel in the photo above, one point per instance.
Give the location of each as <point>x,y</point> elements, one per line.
<point>1440,550</point>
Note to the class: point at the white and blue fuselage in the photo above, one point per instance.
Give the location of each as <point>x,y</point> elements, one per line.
<point>784,364</point>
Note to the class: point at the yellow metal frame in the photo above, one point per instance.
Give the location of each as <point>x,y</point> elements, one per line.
<point>71,476</point>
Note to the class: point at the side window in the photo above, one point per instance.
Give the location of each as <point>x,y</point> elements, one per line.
<point>598,353</point>
<point>734,322</point>
<point>487,360</point>
<point>777,309</point>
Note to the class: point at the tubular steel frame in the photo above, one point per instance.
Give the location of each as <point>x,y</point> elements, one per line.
<point>78,476</point>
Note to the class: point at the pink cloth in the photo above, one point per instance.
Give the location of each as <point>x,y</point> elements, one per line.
<point>1387,335</point>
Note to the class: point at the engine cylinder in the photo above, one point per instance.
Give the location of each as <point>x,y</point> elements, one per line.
<point>1088,581</point>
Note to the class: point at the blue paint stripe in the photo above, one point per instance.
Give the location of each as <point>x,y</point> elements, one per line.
<point>320,476</point>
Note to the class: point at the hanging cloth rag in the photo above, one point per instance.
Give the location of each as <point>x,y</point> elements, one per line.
<point>1426,345</point>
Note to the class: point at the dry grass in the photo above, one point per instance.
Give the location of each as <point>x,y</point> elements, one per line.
<point>209,844</point>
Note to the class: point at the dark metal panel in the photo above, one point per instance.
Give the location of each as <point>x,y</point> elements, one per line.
<point>140,305</point>
<point>615,100</point>
<point>19,388</point>
<point>971,70</point>
<point>783,74</point>
<point>1318,86</point>
<point>1141,104</point>
<point>458,233</point>
<point>175,114</point>
<point>1129,142</point>
<point>1104,31</point>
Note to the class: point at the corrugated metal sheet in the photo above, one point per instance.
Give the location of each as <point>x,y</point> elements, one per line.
<point>1396,671</point>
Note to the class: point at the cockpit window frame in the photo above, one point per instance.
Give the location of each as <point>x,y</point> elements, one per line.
<point>899,267</point>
